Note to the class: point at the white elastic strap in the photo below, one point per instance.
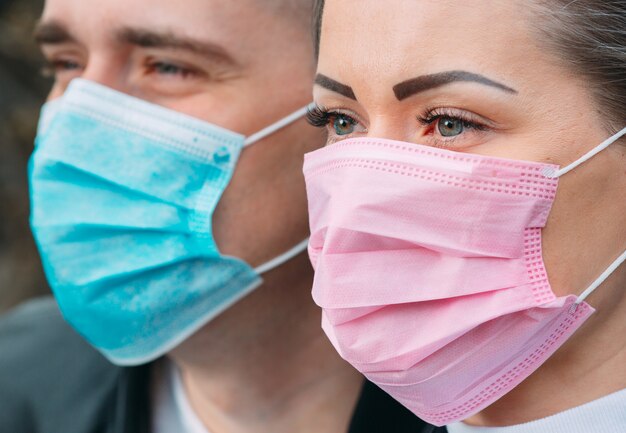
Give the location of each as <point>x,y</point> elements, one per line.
<point>553,174</point>
<point>285,257</point>
<point>278,125</point>
<point>601,278</point>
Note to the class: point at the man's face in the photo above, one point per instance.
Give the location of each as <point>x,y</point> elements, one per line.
<point>241,65</point>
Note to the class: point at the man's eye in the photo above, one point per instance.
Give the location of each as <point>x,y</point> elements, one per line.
<point>55,67</point>
<point>68,65</point>
<point>164,68</point>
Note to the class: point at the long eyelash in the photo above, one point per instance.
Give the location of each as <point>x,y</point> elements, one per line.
<point>318,116</point>
<point>432,115</point>
<point>321,117</point>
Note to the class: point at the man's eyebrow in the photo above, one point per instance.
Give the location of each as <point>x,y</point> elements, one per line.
<point>335,86</point>
<point>51,32</point>
<point>426,82</point>
<point>168,40</point>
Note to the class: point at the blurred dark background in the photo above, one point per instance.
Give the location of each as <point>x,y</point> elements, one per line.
<point>22,91</point>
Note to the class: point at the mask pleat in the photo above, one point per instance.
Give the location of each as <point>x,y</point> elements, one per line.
<point>144,250</point>
<point>183,284</point>
<point>95,202</point>
<point>447,320</point>
<point>163,174</point>
<point>415,277</point>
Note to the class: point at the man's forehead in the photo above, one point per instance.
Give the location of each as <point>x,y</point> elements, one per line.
<point>216,11</point>
<point>52,32</point>
<point>226,23</point>
<point>213,18</point>
<point>231,34</point>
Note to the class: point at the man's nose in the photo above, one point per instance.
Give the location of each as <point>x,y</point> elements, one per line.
<point>108,71</point>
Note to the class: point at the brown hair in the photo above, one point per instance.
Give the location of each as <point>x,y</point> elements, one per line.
<point>588,35</point>
<point>318,12</point>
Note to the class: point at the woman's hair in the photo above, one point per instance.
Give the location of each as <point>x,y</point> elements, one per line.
<point>318,11</point>
<point>588,35</point>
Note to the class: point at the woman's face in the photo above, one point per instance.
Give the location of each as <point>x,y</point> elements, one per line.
<point>476,77</point>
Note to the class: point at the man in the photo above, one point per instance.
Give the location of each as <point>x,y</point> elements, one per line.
<point>259,364</point>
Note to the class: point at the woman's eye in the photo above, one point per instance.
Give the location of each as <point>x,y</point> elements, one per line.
<point>450,127</point>
<point>444,126</point>
<point>343,125</point>
<point>339,125</point>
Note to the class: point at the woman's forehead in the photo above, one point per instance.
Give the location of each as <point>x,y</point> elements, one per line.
<point>400,39</point>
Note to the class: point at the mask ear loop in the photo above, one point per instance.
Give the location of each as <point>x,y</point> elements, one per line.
<point>283,258</point>
<point>302,246</point>
<point>278,125</point>
<point>616,264</point>
<point>551,173</point>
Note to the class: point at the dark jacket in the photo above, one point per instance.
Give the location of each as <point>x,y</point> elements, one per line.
<point>52,381</point>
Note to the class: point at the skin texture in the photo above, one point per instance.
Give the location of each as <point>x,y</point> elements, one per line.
<point>263,365</point>
<point>372,46</point>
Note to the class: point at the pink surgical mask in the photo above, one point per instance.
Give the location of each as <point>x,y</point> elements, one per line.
<point>429,270</point>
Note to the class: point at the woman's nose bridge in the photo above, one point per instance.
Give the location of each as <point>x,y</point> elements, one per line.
<point>390,126</point>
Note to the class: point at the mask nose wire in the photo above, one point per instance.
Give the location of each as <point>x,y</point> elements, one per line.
<point>553,174</point>
<point>278,125</point>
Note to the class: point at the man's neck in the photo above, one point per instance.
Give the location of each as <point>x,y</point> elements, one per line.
<point>265,365</point>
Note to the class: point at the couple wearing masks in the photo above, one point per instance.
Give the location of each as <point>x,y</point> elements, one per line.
<point>169,207</point>
<point>171,223</point>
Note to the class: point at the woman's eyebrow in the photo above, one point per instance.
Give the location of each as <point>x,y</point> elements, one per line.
<point>335,86</point>
<point>426,82</point>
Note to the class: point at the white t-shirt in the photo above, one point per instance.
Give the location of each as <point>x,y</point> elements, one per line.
<point>607,414</point>
<point>172,411</point>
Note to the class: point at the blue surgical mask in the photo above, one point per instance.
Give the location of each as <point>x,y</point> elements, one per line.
<point>123,194</point>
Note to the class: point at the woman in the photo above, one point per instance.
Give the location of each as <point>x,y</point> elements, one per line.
<point>467,216</point>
